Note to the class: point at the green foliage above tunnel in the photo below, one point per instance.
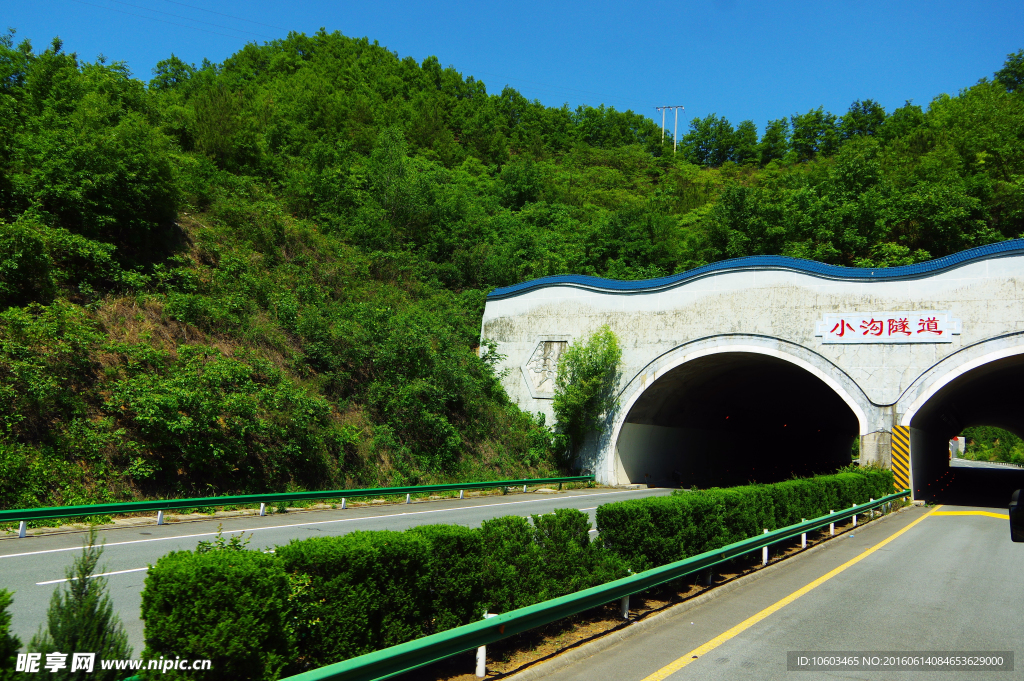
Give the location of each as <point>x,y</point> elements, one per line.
<point>270,272</point>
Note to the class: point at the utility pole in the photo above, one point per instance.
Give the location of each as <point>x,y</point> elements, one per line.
<point>675,127</point>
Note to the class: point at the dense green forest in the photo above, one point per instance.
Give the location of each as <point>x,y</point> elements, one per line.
<point>269,273</point>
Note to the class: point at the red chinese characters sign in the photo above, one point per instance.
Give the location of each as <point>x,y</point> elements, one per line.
<point>888,327</point>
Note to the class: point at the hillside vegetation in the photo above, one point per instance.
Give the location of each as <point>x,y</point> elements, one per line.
<point>270,273</point>
<point>988,443</point>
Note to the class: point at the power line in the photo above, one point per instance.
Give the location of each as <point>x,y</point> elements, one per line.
<point>162,21</point>
<point>229,16</point>
<point>178,16</point>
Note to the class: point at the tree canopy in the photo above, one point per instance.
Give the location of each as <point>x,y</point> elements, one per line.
<point>270,272</point>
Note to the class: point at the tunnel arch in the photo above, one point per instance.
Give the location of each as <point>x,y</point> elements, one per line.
<point>980,385</point>
<point>951,368</point>
<point>657,391</point>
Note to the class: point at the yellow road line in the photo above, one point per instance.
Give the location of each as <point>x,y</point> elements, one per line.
<point>1001,516</point>
<point>696,653</point>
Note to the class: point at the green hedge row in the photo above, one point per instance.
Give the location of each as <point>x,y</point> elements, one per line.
<point>261,616</point>
<point>232,607</point>
<point>655,531</point>
<point>317,601</point>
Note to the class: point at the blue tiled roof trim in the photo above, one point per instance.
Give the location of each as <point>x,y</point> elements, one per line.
<point>774,262</point>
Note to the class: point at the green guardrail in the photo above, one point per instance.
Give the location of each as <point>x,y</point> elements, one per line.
<point>26,514</point>
<point>388,662</point>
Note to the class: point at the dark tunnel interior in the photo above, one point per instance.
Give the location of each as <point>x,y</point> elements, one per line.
<point>733,418</point>
<point>990,395</point>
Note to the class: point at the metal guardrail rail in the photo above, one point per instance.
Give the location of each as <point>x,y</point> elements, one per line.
<point>388,662</point>
<point>26,514</point>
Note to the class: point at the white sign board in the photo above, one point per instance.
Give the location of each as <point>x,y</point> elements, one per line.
<point>887,327</point>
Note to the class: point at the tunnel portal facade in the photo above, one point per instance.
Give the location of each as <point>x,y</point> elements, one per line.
<point>766,367</point>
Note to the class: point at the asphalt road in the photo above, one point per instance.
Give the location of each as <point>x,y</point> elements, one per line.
<point>30,566</point>
<point>949,583</point>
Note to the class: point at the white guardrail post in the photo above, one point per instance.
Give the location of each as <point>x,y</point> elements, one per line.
<point>22,527</point>
<point>624,607</point>
<point>803,537</point>
<point>764,553</point>
<point>408,498</point>
<point>462,494</point>
<point>481,654</point>
<point>831,526</point>
<point>854,515</point>
<point>263,509</point>
<point>159,517</point>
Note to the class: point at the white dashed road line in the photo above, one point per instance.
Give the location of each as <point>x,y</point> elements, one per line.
<point>102,574</point>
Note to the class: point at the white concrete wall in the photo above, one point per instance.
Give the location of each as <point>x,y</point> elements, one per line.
<point>772,311</point>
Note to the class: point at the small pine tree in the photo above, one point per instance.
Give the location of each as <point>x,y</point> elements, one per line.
<point>9,643</point>
<point>81,619</point>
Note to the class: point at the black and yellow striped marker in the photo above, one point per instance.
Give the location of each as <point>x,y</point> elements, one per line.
<point>901,456</point>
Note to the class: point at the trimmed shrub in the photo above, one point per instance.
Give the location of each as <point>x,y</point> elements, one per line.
<point>526,564</point>
<point>513,575</point>
<point>746,511</point>
<point>455,574</point>
<point>228,606</point>
<point>358,593</point>
<point>570,561</point>
<point>659,530</point>
<point>655,531</point>
<point>794,499</point>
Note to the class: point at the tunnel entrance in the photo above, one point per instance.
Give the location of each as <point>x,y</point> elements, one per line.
<point>989,395</point>
<point>733,418</point>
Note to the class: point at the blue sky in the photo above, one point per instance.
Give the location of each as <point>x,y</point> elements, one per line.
<point>741,60</point>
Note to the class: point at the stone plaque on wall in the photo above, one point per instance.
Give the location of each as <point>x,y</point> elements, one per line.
<point>541,367</point>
